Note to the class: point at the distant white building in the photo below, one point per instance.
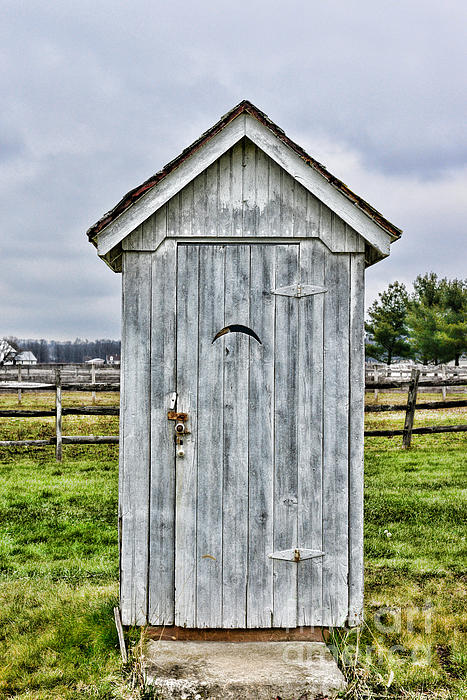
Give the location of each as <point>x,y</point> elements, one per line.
<point>25,358</point>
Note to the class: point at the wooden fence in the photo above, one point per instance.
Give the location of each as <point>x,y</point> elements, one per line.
<point>71,373</point>
<point>402,371</point>
<point>58,386</point>
<point>417,379</point>
<point>413,385</point>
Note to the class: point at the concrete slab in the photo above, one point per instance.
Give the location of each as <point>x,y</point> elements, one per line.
<point>242,670</point>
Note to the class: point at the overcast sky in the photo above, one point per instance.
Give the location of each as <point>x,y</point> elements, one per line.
<point>97,96</point>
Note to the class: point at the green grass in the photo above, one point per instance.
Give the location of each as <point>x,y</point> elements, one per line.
<point>58,576</point>
<point>59,564</point>
<point>413,643</point>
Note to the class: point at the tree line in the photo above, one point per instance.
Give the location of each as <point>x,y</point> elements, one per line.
<point>67,350</point>
<point>428,325</point>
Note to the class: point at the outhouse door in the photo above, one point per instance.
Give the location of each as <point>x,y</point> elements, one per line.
<point>249,486</point>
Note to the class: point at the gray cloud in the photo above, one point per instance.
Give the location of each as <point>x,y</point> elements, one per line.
<point>97,96</point>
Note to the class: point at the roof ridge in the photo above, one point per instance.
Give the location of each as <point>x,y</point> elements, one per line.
<point>245,106</point>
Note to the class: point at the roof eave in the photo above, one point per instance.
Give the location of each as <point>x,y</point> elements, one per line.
<point>243,107</point>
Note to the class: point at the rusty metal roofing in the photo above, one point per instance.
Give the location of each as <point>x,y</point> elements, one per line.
<point>243,107</point>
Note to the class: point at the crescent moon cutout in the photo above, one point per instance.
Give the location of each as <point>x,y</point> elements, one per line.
<point>236,328</point>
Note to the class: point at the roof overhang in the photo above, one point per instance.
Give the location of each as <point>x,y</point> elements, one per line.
<point>245,120</point>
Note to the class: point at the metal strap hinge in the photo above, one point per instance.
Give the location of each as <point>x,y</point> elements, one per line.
<point>299,290</point>
<point>297,554</point>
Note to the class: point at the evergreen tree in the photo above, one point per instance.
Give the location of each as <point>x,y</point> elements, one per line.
<point>453,329</point>
<point>387,325</point>
<point>438,319</point>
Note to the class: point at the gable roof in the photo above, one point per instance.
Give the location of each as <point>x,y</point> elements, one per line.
<point>244,107</point>
<point>26,356</point>
<point>7,351</point>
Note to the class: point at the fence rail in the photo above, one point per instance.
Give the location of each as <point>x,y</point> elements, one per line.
<point>426,430</point>
<point>403,371</point>
<point>375,383</point>
<point>424,405</point>
<point>392,384</point>
<point>41,413</point>
<point>65,440</point>
<point>8,387</point>
<point>71,372</point>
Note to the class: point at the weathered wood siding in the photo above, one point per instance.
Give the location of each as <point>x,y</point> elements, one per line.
<point>135,438</point>
<point>245,194</point>
<point>274,455</point>
<point>274,458</point>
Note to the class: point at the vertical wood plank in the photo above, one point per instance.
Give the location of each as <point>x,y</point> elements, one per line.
<point>186,209</point>
<point>287,202</point>
<point>261,438</point>
<point>210,437</point>
<point>212,203</point>
<point>285,437</point>
<point>237,188</point>
<point>121,432</point>
<point>310,433</point>
<point>262,193</point>
<point>339,239</point>
<point>335,442</point>
<point>148,236</point>
<point>325,225</point>
<point>299,210</point>
<point>356,428</point>
<point>355,242</point>
<point>160,225</point>
<point>249,189</point>
<point>134,240</point>
<point>313,211</point>
<point>225,197</point>
<point>199,205</point>
<point>136,374</point>
<point>173,216</point>
<point>235,474</point>
<point>186,468</point>
<point>274,199</point>
<point>162,481</point>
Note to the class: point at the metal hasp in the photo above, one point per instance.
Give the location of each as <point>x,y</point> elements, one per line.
<point>180,429</point>
<point>299,290</point>
<point>174,415</point>
<point>296,555</point>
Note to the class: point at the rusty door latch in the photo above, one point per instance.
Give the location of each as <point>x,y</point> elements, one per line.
<point>180,429</point>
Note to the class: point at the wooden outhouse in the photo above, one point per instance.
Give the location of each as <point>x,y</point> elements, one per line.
<point>241,438</point>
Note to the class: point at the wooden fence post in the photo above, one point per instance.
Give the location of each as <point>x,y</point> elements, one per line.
<point>93,381</point>
<point>19,380</point>
<point>443,375</point>
<point>58,415</point>
<point>410,412</point>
